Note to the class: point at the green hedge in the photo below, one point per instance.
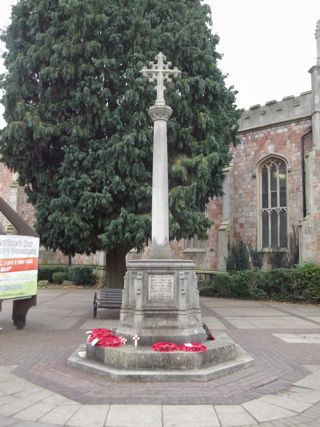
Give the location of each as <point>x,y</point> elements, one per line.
<point>301,283</point>
<point>59,277</point>
<point>79,275</point>
<point>46,271</point>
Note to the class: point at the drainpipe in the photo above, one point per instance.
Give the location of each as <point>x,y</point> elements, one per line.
<point>303,173</point>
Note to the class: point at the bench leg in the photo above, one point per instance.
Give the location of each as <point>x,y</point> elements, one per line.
<point>95,305</point>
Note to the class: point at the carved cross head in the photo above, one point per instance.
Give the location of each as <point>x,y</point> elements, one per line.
<point>160,73</point>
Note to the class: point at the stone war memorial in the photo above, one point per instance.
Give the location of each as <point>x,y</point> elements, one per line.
<point>160,301</point>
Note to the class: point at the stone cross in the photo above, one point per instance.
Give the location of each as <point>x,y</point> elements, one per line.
<point>160,72</point>
<point>160,114</point>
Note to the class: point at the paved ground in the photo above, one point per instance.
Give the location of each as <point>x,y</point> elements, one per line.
<point>38,389</point>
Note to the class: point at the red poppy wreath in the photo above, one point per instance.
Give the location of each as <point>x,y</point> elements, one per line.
<point>165,347</point>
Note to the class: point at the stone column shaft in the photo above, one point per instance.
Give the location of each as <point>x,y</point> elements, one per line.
<point>160,209</point>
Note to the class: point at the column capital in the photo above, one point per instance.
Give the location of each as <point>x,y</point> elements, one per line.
<point>160,112</point>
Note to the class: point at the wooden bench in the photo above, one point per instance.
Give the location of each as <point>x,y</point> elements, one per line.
<point>110,298</point>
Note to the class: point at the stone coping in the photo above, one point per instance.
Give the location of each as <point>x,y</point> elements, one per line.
<point>242,360</point>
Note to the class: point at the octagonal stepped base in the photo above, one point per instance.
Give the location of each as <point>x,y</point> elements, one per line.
<point>127,363</point>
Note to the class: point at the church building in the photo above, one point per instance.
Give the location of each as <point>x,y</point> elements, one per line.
<point>272,187</point>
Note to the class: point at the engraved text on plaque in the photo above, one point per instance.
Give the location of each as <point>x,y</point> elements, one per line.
<point>160,288</point>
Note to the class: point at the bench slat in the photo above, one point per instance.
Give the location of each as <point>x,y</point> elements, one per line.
<point>109,298</point>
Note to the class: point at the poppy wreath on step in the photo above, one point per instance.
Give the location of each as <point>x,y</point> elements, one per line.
<point>100,334</point>
<point>193,347</point>
<point>110,342</point>
<point>165,347</point>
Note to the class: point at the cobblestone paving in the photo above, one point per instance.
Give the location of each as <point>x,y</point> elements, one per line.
<point>281,389</point>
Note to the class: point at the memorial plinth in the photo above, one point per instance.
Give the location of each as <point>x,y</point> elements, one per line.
<point>161,302</point>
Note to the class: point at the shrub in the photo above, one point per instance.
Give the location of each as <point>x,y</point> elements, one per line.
<point>293,257</point>
<point>278,283</point>
<point>206,286</point>
<point>301,283</point>
<point>238,256</point>
<point>216,285</point>
<point>307,280</point>
<point>45,272</point>
<point>82,276</point>
<point>278,259</point>
<point>59,277</point>
<point>256,257</point>
<point>223,285</point>
<point>245,284</point>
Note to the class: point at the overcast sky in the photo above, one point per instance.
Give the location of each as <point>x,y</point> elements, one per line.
<point>268,46</point>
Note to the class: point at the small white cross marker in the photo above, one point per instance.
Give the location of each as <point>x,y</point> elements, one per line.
<point>135,339</point>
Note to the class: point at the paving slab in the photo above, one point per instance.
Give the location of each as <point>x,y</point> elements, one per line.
<point>34,424</point>
<point>133,416</point>
<point>304,394</point>
<point>279,322</point>
<point>299,338</point>
<point>240,322</point>
<point>90,415</point>
<point>249,312</point>
<point>34,394</point>
<point>190,416</point>
<point>50,323</point>
<point>13,405</point>
<point>4,421</point>
<point>297,309</point>
<point>34,412</point>
<point>12,386</point>
<point>314,318</point>
<point>310,381</point>
<point>213,323</point>
<point>312,368</point>
<point>233,415</point>
<point>100,323</point>
<point>291,401</point>
<point>263,411</point>
<point>226,302</point>
<point>57,399</point>
<point>60,414</point>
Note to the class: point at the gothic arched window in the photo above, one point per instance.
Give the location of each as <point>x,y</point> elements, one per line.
<point>273,204</point>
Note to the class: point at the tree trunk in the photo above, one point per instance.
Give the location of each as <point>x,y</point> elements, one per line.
<point>116,267</point>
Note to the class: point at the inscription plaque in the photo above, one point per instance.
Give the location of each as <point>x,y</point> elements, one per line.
<point>160,288</point>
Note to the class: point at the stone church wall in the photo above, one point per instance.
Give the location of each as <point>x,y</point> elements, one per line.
<point>284,141</point>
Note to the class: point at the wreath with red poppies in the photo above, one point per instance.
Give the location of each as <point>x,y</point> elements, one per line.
<point>165,347</point>
<point>104,338</point>
<point>193,347</point>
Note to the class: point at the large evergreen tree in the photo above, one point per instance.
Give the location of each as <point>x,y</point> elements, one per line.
<point>78,131</point>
